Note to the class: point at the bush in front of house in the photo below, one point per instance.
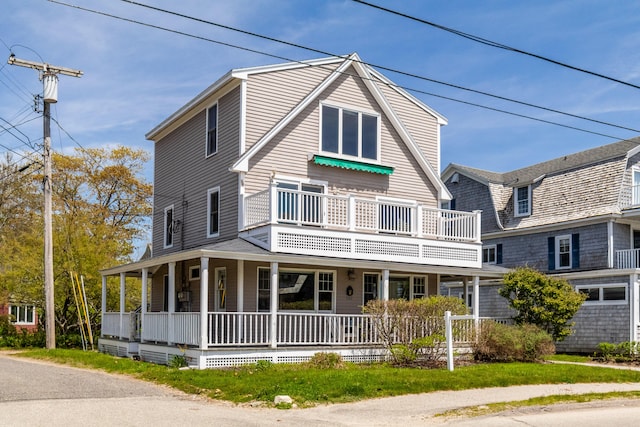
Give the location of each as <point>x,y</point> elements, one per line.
<point>10,336</point>
<point>628,351</point>
<point>512,343</point>
<point>414,330</point>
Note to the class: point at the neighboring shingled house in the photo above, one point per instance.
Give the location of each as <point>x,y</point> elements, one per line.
<point>577,217</point>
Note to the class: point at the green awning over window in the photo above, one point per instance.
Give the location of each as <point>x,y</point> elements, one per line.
<point>352,165</point>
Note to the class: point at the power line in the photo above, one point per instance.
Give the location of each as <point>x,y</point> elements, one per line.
<point>502,98</point>
<point>487,42</point>
<point>362,62</point>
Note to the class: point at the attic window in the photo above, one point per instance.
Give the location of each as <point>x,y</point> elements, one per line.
<point>349,133</point>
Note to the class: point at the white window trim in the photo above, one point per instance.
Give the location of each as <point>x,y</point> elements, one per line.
<point>360,111</point>
<point>209,192</point>
<point>557,252</point>
<point>173,231</point>
<point>316,290</point>
<point>601,287</point>
<point>495,253</point>
<point>23,307</point>
<point>192,274</point>
<point>635,198</point>
<point>206,141</point>
<point>378,285</point>
<point>516,200</point>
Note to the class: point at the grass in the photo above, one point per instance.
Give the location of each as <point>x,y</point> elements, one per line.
<point>570,358</point>
<point>309,385</point>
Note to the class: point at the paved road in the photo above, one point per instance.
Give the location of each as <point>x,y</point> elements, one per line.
<point>35,393</point>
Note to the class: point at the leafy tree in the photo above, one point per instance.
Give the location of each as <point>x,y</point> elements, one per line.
<point>101,205</point>
<point>547,302</point>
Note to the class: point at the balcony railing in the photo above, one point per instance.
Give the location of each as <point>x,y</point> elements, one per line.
<point>628,258</point>
<point>630,196</point>
<point>285,206</point>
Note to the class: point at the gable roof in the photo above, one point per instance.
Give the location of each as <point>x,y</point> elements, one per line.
<point>367,76</point>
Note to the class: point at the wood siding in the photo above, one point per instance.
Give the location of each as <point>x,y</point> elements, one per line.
<point>421,125</point>
<point>270,96</point>
<point>287,154</point>
<point>470,195</point>
<point>183,175</point>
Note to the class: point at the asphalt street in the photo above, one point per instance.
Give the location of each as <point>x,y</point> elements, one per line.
<point>37,393</point>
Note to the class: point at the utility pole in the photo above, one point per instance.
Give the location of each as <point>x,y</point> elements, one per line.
<point>49,77</point>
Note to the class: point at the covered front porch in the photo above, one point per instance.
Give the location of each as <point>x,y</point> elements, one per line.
<point>248,303</point>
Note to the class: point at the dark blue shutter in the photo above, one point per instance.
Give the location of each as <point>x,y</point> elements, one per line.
<point>575,251</point>
<point>452,204</point>
<point>499,253</point>
<point>552,253</point>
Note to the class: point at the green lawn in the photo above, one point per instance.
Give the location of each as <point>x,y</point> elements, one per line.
<point>310,385</point>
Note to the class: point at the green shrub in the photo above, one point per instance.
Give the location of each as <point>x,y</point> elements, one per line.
<point>506,343</point>
<point>624,351</point>
<point>414,330</point>
<point>326,361</point>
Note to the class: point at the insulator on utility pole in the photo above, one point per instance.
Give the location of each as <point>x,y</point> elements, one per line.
<point>50,92</point>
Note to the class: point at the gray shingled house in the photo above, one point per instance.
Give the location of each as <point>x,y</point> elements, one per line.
<point>575,217</point>
<point>286,197</point>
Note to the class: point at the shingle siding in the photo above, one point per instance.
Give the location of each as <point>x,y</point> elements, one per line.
<point>471,195</point>
<point>532,249</point>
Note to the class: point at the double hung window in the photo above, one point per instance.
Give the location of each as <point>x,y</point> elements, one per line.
<point>522,201</point>
<point>350,133</point>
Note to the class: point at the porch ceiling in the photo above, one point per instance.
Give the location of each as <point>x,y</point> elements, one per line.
<point>240,249</point>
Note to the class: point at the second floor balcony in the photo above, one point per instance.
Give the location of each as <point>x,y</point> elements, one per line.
<point>306,222</point>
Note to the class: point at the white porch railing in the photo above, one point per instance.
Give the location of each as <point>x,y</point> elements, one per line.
<point>155,327</point>
<point>111,324</point>
<point>628,258</point>
<point>280,205</point>
<point>227,329</point>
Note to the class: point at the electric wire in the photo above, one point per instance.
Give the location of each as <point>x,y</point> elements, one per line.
<point>362,62</point>
<point>487,42</point>
<point>393,70</point>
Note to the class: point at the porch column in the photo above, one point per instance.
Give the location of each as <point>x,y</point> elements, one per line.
<point>240,286</point>
<point>122,294</point>
<point>385,285</point>
<point>103,308</point>
<point>351,206</point>
<point>143,310</point>
<point>204,303</point>
<point>476,298</point>
<point>240,296</point>
<point>418,221</point>
<point>172,301</point>
<point>273,312</point>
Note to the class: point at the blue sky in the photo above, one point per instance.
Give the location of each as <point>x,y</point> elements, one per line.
<point>135,76</point>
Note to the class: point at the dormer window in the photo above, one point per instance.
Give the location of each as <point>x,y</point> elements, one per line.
<point>349,133</point>
<point>522,201</point>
